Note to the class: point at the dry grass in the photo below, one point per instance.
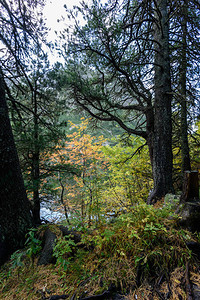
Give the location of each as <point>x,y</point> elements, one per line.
<point>30,281</point>
<point>175,287</point>
<point>145,239</point>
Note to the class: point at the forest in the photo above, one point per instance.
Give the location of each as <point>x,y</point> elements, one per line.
<point>100,151</point>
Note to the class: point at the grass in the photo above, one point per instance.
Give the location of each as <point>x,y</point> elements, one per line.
<point>132,252</point>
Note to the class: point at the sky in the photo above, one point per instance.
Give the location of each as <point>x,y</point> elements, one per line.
<point>54,10</point>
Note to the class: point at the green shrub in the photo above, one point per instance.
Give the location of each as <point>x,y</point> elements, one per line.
<point>147,237</point>
<point>33,244</point>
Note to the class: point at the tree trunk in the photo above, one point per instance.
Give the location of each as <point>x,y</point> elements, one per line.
<point>162,134</point>
<point>62,198</point>
<point>189,210</point>
<point>190,187</point>
<point>183,72</point>
<point>36,163</point>
<point>15,216</point>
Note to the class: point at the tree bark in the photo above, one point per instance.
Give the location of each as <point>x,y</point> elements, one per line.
<point>15,216</point>
<point>162,134</point>
<point>189,210</point>
<point>190,187</point>
<point>183,73</point>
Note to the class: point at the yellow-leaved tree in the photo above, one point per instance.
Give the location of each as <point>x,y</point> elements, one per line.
<point>99,180</point>
<point>80,190</point>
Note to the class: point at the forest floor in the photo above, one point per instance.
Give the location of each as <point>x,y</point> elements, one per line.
<point>143,254</point>
<point>44,282</point>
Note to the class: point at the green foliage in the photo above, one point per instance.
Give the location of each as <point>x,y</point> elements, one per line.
<point>20,258</point>
<point>129,177</point>
<point>112,178</point>
<point>146,241</point>
<point>16,259</point>
<point>63,249</point>
<point>145,238</point>
<point>37,128</point>
<point>32,243</point>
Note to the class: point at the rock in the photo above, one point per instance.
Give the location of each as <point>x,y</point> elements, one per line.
<point>46,256</point>
<point>50,238</point>
<point>194,247</point>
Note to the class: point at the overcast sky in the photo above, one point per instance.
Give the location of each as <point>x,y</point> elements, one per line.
<point>54,10</point>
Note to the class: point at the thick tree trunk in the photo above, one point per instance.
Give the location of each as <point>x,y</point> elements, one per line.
<point>162,135</point>
<point>15,216</point>
<point>183,72</point>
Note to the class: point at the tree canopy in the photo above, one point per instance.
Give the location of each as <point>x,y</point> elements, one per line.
<point>122,67</point>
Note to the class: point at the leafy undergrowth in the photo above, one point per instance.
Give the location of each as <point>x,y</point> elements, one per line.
<point>143,253</point>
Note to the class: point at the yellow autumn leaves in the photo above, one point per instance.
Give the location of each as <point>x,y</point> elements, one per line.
<point>106,179</point>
